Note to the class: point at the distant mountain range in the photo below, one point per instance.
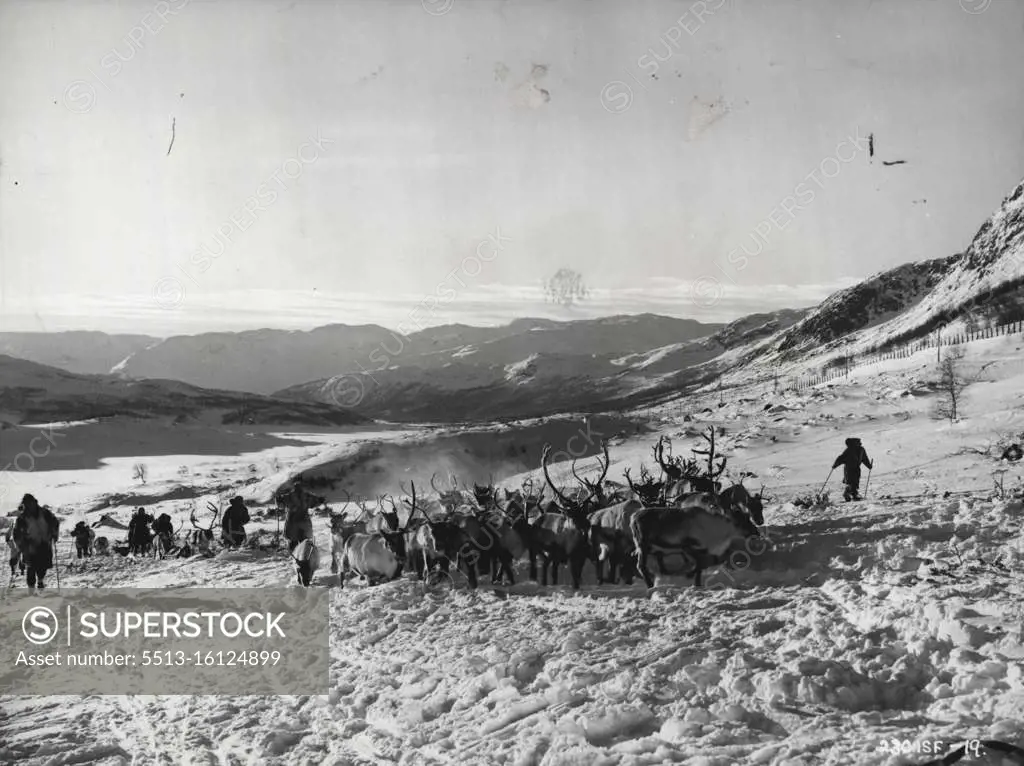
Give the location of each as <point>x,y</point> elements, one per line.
<point>87,353</point>
<point>36,393</point>
<point>552,367</point>
<point>533,367</point>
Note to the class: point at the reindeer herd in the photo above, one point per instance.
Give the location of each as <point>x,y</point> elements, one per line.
<point>485,530</point>
<point>618,527</point>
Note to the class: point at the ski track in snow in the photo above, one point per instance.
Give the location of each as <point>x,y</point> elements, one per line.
<point>835,638</point>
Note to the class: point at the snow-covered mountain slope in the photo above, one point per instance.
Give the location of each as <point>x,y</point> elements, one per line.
<point>867,304</point>
<point>985,282</point>
<point>992,265</point>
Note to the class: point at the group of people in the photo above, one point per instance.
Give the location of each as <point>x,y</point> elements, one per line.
<point>32,541</point>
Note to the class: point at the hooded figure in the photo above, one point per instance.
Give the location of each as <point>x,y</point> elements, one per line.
<point>232,526</point>
<point>140,538</point>
<point>36,531</point>
<point>852,458</point>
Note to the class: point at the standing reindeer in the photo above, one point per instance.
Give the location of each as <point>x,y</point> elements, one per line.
<point>564,536</point>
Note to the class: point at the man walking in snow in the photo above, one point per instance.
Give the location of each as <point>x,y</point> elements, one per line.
<point>852,458</point>
<point>35,532</point>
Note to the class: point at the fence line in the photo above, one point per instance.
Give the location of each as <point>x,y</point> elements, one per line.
<point>905,351</point>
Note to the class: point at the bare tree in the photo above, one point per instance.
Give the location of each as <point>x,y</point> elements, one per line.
<point>566,287</point>
<point>951,383</point>
<point>140,472</point>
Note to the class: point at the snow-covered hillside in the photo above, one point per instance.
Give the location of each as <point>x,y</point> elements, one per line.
<point>923,296</point>
<point>897,619</point>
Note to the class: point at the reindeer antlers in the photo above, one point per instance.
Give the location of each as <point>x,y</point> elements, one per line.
<point>713,471</point>
<point>211,507</point>
<point>594,487</point>
<point>671,468</point>
<point>412,506</point>
<point>544,464</point>
<point>629,480</point>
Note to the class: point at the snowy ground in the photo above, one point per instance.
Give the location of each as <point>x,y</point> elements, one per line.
<point>894,619</point>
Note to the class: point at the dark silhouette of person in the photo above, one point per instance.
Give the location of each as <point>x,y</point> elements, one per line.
<point>36,531</point>
<point>233,524</point>
<point>853,457</point>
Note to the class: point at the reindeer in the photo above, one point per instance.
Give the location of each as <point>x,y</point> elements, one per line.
<point>563,537</point>
<point>611,539</point>
<point>511,528</point>
<point>503,543</point>
<point>738,497</point>
<point>377,557</point>
<point>166,534</point>
<point>342,529</point>
<point>648,491</point>
<point>673,467</point>
<point>450,499</point>
<point>484,494</point>
<point>431,544</point>
<point>384,521</point>
<point>470,540</point>
<point>17,560</point>
<point>306,559</point>
<point>703,532</point>
<point>202,537</point>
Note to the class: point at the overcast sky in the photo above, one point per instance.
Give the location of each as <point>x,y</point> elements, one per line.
<point>340,162</point>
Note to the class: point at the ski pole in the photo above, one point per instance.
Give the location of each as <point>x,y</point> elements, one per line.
<point>56,561</point>
<point>826,481</point>
<point>867,484</point>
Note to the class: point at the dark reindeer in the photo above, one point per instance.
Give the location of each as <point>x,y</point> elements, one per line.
<point>562,537</point>
<point>648,491</point>
<point>702,532</point>
<point>471,541</point>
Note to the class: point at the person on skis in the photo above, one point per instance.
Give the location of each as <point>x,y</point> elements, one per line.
<point>852,458</point>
